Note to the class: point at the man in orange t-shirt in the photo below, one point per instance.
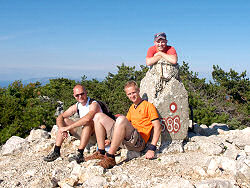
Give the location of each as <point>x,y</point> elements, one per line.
<point>134,130</point>
<point>161,50</point>
<point>141,116</point>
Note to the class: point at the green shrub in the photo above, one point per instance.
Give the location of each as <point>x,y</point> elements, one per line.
<point>225,100</point>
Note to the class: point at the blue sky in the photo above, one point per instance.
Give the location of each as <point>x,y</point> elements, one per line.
<point>75,38</point>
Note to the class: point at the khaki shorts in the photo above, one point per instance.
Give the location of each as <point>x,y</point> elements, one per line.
<point>78,132</point>
<point>135,143</point>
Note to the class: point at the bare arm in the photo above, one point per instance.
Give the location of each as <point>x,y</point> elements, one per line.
<point>93,109</point>
<point>152,60</point>
<point>157,131</point>
<point>69,112</point>
<point>170,58</point>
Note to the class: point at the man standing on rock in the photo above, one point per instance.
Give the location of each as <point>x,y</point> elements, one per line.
<point>82,128</point>
<point>134,130</point>
<point>161,50</point>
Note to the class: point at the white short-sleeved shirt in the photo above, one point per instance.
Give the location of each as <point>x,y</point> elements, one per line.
<point>83,110</point>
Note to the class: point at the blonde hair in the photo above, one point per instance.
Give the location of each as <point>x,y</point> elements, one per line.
<point>131,83</point>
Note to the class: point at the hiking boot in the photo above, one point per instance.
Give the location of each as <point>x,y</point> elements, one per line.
<point>78,157</point>
<point>51,157</point>
<point>107,162</point>
<point>96,155</point>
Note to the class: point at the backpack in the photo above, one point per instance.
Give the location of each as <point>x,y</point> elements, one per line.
<point>103,106</point>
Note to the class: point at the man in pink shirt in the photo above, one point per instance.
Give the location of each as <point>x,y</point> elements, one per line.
<point>161,50</point>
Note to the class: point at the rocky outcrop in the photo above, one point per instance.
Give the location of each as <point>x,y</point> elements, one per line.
<point>217,158</point>
<point>162,87</point>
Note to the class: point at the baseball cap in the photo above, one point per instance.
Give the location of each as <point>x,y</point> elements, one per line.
<point>160,35</point>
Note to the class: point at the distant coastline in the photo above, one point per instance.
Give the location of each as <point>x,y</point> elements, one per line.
<point>43,81</point>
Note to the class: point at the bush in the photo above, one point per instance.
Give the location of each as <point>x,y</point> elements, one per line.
<point>22,108</point>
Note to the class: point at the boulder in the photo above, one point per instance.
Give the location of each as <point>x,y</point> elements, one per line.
<point>162,87</point>
<point>243,171</point>
<point>96,181</point>
<point>14,144</point>
<point>38,134</point>
<point>90,172</point>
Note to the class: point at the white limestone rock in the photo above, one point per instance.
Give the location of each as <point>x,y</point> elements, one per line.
<point>170,97</point>
<point>30,173</point>
<point>247,149</point>
<point>200,170</point>
<point>210,148</point>
<point>13,144</point>
<point>231,151</point>
<point>124,153</point>
<point>95,182</point>
<point>90,172</point>
<point>191,146</point>
<point>167,160</point>
<point>175,182</point>
<point>38,134</point>
<point>243,171</point>
<point>172,146</point>
<point>76,143</point>
<point>212,183</point>
<point>213,166</point>
<point>27,168</point>
<point>228,165</point>
<point>54,132</point>
<point>43,146</point>
<point>240,138</point>
<point>68,183</point>
<point>76,170</point>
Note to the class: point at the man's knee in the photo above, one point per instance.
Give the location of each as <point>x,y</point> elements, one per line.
<point>121,122</point>
<point>99,116</point>
<point>89,125</point>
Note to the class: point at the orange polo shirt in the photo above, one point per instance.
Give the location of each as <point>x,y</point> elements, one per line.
<point>141,118</point>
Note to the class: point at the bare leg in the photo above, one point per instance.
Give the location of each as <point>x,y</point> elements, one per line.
<point>122,130</point>
<point>59,140</point>
<point>60,137</point>
<point>103,124</point>
<point>86,133</point>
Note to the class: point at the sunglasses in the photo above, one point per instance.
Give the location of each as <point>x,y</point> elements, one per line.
<point>77,95</point>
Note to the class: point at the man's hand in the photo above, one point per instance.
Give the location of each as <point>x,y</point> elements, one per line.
<point>150,154</point>
<point>158,54</point>
<point>65,135</point>
<point>63,131</point>
<point>170,58</point>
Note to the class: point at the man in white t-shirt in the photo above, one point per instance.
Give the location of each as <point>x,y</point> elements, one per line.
<point>84,126</point>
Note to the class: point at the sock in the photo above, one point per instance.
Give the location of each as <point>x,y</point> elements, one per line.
<point>81,151</point>
<point>57,149</point>
<point>110,155</point>
<point>102,151</point>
